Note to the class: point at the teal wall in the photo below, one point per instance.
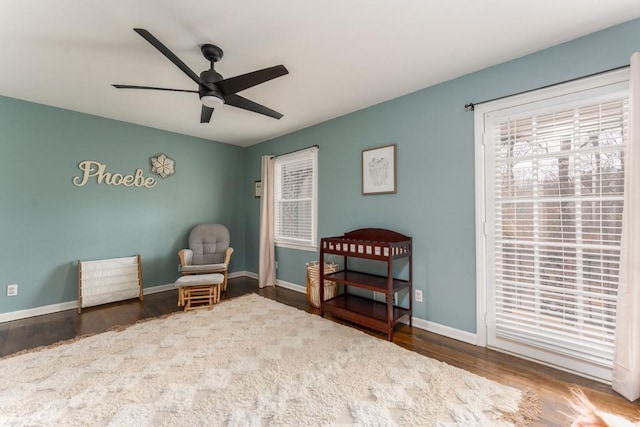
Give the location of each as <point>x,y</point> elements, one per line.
<point>47,223</point>
<point>435,201</point>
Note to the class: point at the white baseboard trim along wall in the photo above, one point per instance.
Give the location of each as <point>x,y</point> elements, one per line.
<point>291,286</point>
<point>69,305</point>
<point>72,305</point>
<point>446,331</point>
<point>436,328</point>
<point>38,311</point>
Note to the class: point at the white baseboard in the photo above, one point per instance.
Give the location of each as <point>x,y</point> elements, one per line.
<point>436,328</point>
<point>69,305</point>
<point>243,274</point>
<point>447,331</point>
<point>38,311</point>
<point>281,283</point>
<point>291,286</point>
<point>159,288</point>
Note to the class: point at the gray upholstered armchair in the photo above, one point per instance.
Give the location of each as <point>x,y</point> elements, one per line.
<point>208,252</point>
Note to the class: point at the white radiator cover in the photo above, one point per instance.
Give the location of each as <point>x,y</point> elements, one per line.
<point>109,280</point>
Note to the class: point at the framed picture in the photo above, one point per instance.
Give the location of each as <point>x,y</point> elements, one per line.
<point>379,170</point>
<point>257,188</point>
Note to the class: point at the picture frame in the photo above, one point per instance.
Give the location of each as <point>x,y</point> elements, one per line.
<point>379,171</point>
<point>257,188</point>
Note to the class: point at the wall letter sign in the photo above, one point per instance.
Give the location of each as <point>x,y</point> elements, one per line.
<point>97,170</point>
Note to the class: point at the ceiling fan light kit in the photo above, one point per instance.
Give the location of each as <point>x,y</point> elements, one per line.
<point>213,89</point>
<point>212,101</point>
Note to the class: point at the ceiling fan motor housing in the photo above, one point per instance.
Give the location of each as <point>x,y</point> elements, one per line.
<point>211,76</point>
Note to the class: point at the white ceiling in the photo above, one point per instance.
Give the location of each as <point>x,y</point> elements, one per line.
<point>342,55</point>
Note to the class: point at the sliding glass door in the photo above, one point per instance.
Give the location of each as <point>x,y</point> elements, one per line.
<point>553,197</point>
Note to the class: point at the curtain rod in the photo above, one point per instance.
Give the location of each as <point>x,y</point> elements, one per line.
<point>472,105</point>
<point>295,151</point>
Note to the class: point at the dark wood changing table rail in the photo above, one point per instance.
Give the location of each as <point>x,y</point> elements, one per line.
<point>375,244</point>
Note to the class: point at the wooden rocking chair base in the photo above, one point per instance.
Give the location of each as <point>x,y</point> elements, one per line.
<point>203,296</point>
<point>199,291</point>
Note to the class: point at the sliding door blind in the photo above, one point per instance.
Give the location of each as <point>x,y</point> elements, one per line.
<point>559,182</point>
<point>294,205</point>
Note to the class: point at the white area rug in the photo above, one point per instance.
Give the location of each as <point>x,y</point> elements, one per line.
<point>248,362</point>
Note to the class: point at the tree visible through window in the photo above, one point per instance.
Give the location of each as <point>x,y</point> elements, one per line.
<point>554,199</point>
<point>560,199</point>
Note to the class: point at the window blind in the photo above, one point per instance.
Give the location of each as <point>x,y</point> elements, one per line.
<point>558,198</point>
<point>294,198</point>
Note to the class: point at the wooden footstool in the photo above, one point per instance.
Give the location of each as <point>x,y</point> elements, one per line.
<point>199,290</point>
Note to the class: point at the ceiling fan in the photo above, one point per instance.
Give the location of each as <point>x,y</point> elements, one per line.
<point>214,91</point>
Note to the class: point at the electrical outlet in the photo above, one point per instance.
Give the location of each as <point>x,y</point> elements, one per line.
<point>12,290</point>
<point>418,295</point>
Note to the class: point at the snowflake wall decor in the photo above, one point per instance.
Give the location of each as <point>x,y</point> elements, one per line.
<point>162,165</point>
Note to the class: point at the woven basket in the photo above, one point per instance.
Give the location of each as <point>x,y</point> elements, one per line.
<point>313,280</point>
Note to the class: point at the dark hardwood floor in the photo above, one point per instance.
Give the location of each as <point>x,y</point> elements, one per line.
<point>551,385</point>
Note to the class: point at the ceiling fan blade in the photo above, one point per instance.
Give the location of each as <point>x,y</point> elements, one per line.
<point>245,81</point>
<point>117,86</point>
<point>171,56</point>
<point>205,114</point>
<point>246,104</point>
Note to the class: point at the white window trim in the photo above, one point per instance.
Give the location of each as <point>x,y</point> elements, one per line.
<point>590,83</point>
<point>297,246</point>
<point>291,243</point>
<point>596,85</point>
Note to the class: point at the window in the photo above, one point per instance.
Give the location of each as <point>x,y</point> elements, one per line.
<point>295,194</point>
<point>553,198</point>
